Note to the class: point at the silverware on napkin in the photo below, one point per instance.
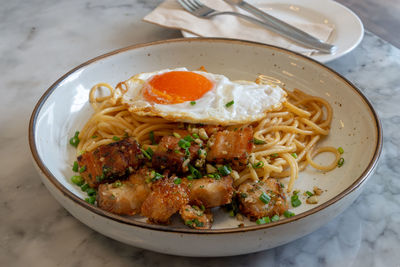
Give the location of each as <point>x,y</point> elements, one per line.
<point>285,29</point>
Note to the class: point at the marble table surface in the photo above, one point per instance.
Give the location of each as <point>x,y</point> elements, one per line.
<point>42,39</point>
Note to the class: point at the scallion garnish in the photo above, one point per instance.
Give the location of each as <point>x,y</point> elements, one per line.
<point>151,136</point>
<point>258,141</point>
<point>340,149</point>
<point>196,173</point>
<point>275,218</point>
<point>275,155</point>
<point>116,138</point>
<point>195,135</point>
<point>340,162</point>
<point>183,143</point>
<point>75,167</point>
<point>91,200</point>
<point>78,180</point>
<point>308,193</point>
<point>91,192</point>
<point>178,181</point>
<point>82,169</point>
<point>265,198</point>
<point>188,138</point>
<point>74,141</point>
<point>288,214</point>
<point>85,187</point>
<point>294,155</point>
<point>146,154</point>
<point>295,200</point>
<point>224,170</point>
<point>117,184</point>
<point>258,165</point>
<point>192,103</point>
<point>156,177</point>
<point>230,103</point>
<point>263,220</point>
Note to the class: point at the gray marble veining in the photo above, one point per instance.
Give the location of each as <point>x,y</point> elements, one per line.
<point>41,40</point>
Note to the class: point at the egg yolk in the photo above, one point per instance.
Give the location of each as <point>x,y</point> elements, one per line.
<point>176,87</point>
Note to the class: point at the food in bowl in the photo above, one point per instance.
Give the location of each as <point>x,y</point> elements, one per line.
<point>178,141</point>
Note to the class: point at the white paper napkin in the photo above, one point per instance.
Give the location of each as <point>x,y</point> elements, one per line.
<point>170,14</point>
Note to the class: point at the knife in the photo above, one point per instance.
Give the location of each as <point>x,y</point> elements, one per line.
<point>285,29</point>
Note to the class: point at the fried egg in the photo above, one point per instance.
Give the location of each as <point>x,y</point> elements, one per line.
<point>199,97</point>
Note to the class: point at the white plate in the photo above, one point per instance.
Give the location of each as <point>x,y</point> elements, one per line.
<point>348,28</point>
<point>64,108</point>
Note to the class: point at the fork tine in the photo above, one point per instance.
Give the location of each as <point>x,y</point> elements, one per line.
<point>185,6</point>
<point>188,4</point>
<point>196,3</point>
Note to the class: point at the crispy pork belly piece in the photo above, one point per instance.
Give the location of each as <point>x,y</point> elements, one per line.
<point>169,155</point>
<point>211,192</point>
<point>261,199</point>
<point>110,162</point>
<point>196,218</point>
<point>124,197</point>
<point>231,147</point>
<point>165,200</point>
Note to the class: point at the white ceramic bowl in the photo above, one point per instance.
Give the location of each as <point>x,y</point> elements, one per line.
<point>64,108</point>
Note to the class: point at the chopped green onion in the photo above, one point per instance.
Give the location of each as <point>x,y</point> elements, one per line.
<point>340,149</point>
<point>294,155</point>
<point>231,213</point>
<point>196,173</point>
<point>258,165</point>
<point>151,136</point>
<point>224,170</point>
<point>188,138</point>
<point>195,135</point>
<point>91,200</point>
<point>82,169</point>
<point>189,222</point>
<point>178,181</point>
<point>274,155</point>
<point>190,177</point>
<point>202,208</point>
<point>288,214</point>
<point>184,144</point>
<point>340,162</point>
<point>117,184</point>
<point>147,155</point>
<point>116,138</point>
<point>150,151</point>
<point>75,168</point>
<point>78,180</point>
<point>74,141</point>
<point>85,187</point>
<point>230,103</point>
<point>264,198</point>
<point>263,220</point>
<point>126,135</point>
<point>157,176</point>
<point>309,193</point>
<point>258,141</point>
<point>192,103</point>
<point>91,192</point>
<point>176,135</point>
<point>198,223</point>
<point>94,136</point>
<point>295,201</point>
<point>275,218</point>
<point>282,185</point>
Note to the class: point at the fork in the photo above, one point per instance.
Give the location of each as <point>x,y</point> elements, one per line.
<point>198,9</point>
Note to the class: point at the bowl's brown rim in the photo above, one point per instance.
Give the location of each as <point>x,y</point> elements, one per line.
<point>120,219</point>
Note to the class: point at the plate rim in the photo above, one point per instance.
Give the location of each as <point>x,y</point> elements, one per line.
<point>120,219</point>
<point>324,58</point>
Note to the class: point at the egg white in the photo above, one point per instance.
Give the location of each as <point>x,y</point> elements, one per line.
<point>251,101</point>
